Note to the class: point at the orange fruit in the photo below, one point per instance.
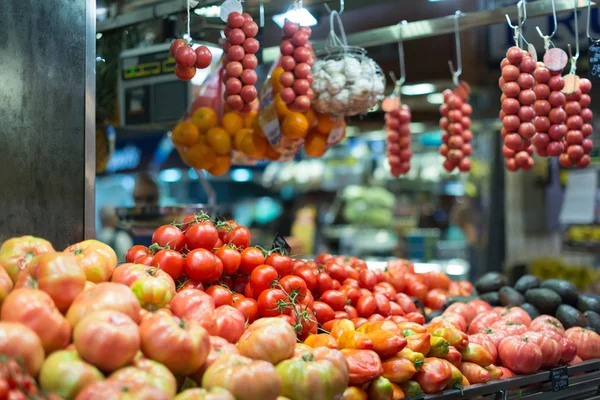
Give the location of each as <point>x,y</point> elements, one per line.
<point>204,118</point>
<point>311,117</point>
<point>275,83</point>
<point>219,140</point>
<point>281,109</point>
<point>315,144</point>
<point>250,118</point>
<point>201,156</point>
<point>254,146</point>
<point>222,164</point>
<point>295,125</point>
<point>232,122</point>
<point>185,133</point>
<point>272,154</point>
<point>239,136</point>
<point>324,123</point>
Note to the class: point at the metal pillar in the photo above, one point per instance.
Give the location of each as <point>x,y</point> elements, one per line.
<point>47,119</point>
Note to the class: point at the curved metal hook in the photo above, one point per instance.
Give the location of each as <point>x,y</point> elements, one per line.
<point>576,57</point>
<point>521,7</point>
<point>342,6</point>
<point>587,29</point>
<point>549,37</point>
<point>401,54</point>
<point>456,73</point>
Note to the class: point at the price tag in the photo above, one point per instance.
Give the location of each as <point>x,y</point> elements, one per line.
<point>560,379</point>
<point>280,243</point>
<point>594,59</point>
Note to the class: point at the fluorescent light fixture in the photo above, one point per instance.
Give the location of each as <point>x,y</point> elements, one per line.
<point>101,13</point>
<point>435,1</point>
<point>300,16</point>
<point>435,98</point>
<point>208,11</point>
<point>241,175</point>
<point>170,175</point>
<point>99,35</point>
<point>417,89</point>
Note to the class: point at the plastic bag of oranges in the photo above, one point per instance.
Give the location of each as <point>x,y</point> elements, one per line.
<point>288,131</point>
<point>205,138</point>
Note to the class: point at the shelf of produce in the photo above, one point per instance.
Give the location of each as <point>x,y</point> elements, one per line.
<point>583,386</point>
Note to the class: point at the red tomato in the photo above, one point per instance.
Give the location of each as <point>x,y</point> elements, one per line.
<point>307,301</point>
<point>308,275</point>
<point>465,310</point>
<point>351,311</point>
<point>283,264</point>
<point>136,252</point>
<point>287,319</point>
<point>300,263</point>
<point>549,346</point>
<point>221,295</point>
<point>340,315</point>
<point>337,299</point>
<point>396,279</point>
<point>248,292</point>
<point>366,306</point>
<point>587,342</point>
<point>305,322</point>
<point>436,298</point>
<point>239,236</point>
<point>395,309</point>
<point>324,282</point>
<point>201,265</point>
<point>416,288</point>
<point>415,317</point>
<point>170,261</point>
<point>323,258</point>
<point>511,328</point>
<point>386,289</point>
<point>406,303</point>
<point>351,282</point>
<point>483,321</point>
<point>323,311</point>
<point>146,259</point>
<point>367,279</point>
<point>190,284</point>
<point>229,323</point>
<point>294,285</point>
<point>516,314</point>
<point>352,292</point>
<point>351,273</point>
<point>231,259</point>
<point>270,302</point>
<point>363,365</point>
<point>335,271</point>
<point>479,306</point>
<point>520,355</point>
<point>201,236</point>
<point>169,236</point>
<point>194,305</point>
<point>438,280</point>
<point>249,308</point>
<point>383,304</point>
<point>261,278</point>
<point>336,284</point>
<point>239,283</point>
<point>251,258</point>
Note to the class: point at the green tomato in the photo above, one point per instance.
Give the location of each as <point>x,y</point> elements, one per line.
<point>65,374</point>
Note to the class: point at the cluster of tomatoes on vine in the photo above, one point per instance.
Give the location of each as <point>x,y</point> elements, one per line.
<point>16,383</point>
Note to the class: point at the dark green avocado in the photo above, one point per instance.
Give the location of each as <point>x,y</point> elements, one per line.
<point>527,282</point>
<point>490,282</point>
<point>545,300</point>
<point>531,310</point>
<point>588,302</point>
<point>592,320</point>
<point>567,290</point>
<point>492,298</point>
<point>509,297</point>
<point>570,316</point>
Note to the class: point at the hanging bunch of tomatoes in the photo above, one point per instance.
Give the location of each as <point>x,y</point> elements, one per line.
<point>577,142</point>
<point>397,125</point>
<point>455,123</point>
<point>187,60</point>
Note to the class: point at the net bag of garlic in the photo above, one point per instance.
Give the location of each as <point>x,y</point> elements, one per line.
<point>345,81</point>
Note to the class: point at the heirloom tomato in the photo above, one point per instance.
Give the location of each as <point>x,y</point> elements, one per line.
<point>587,342</point>
<point>520,354</point>
<point>455,319</point>
<point>414,357</point>
<point>568,351</point>
<point>56,274</point>
<point>386,343</point>
<point>363,365</point>
<point>494,371</point>
<point>218,347</point>
<point>194,305</point>
<point>547,322</point>
<point>483,321</point>
<point>19,342</point>
<point>439,347</point>
<point>97,259</point>
<point>511,328</point>
<point>180,345</point>
<point>152,292</point>
<point>474,373</point>
<point>457,377</point>
<point>411,326</point>
<point>340,326</point>
<point>419,342</point>
<point>16,253</point>
<point>128,274</point>
<point>479,306</point>
<point>411,388</point>
<point>378,325</point>
<point>104,296</point>
<point>516,314</point>
<point>244,377</point>
<point>203,394</point>
<point>462,309</point>
<point>355,340</point>
<point>36,310</point>
<point>148,372</point>
<point>548,345</point>
<point>398,369</point>
<point>6,284</point>
<point>228,323</point>
<point>506,373</point>
<point>269,339</point>
<point>321,340</point>
<point>65,374</point>
<point>434,375</point>
<point>114,389</point>
<point>107,339</point>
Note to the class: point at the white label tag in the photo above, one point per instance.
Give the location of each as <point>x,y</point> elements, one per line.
<point>230,6</point>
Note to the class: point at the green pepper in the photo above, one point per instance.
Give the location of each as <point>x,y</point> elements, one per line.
<point>380,389</point>
<point>411,389</point>
<point>415,357</point>
<point>439,347</point>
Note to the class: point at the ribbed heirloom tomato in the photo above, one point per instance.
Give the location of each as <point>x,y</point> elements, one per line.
<point>520,355</point>
<point>97,259</point>
<point>16,253</point>
<point>228,323</point>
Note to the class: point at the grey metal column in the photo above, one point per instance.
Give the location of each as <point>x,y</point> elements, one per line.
<point>47,119</point>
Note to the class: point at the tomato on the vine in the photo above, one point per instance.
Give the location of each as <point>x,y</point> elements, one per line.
<point>201,265</point>
<point>231,259</point>
<point>136,252</point>
<point>202,235</point>
<point>308,275</point>
<point>323,258</point>
<point>323,311</point>
<point>282,263</point>
<point>238,236</point>
<point>337,299</point>
<point>251,258</point>
<point>146,259</point>
<point>294,284</point>
<point>170,261</point>
<point>262,277</point>
<point>169,236</point>
<point>221,295</point>
<point>239,283</point>
<point>308,300</point>
<point>248,307</point>
<point>249,292</point>
<point>269,302</point>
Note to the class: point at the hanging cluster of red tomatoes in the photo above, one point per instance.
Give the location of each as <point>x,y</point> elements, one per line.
<point>188,60</point>
<point>577,144</point>
<point>240,61</point>
<point>517,112</point>
<point>297,61</point>
<point>397,125</point>
<point>455,123</point>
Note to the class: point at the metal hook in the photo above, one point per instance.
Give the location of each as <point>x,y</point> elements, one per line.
<point>342,6</point>
<point>587,29</point>
<point>401,54</point>
<point>576,57</point>
<point>548,38</point>
<point>456,73</point>
<point>521,18</point>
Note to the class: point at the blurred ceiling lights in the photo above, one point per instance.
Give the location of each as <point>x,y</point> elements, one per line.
<point>435,98</point>
<point>209,11</point>
<point>300,16</point>
<point>418,89</point>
